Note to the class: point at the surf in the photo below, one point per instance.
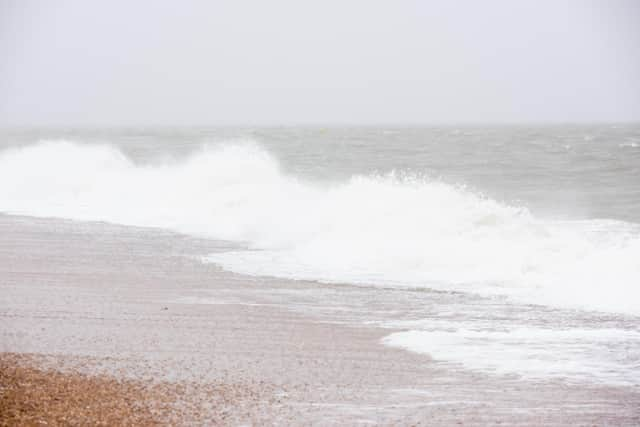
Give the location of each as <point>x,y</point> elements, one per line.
<point>395,229</point>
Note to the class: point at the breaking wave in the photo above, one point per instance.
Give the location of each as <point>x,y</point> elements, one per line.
<point>391,230</point>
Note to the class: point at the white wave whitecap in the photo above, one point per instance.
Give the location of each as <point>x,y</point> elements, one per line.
<point>601,355</point>
<point>387,230</point>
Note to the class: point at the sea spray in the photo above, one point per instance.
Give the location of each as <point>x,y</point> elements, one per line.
<point>391,230</point>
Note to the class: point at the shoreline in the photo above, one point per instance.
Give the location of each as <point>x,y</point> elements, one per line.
<point>99,299</point>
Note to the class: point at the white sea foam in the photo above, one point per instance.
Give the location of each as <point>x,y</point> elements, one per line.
<point>600,355</point>
<point>629,145</point>
<point>392,230</point>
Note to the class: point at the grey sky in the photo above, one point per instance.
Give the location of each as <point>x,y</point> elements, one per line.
<point>293,62</point>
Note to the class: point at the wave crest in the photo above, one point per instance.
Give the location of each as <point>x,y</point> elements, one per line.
<point>392,230</point>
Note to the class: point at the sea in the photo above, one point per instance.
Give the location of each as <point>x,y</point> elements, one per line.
<point>507,250</point>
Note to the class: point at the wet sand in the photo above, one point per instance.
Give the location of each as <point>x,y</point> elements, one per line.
<point>91,302</point>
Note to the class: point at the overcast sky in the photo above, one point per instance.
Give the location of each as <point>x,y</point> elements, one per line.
<point>154,62</point>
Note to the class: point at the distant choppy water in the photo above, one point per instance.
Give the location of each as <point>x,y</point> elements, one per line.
<point>537,215</point>
<point>561,171</point>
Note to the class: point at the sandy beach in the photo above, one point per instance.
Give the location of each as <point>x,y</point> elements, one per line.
<point>91,303</point>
